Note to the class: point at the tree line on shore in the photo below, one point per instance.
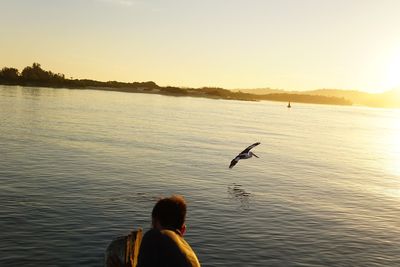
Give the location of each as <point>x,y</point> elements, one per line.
<point>35,76</point>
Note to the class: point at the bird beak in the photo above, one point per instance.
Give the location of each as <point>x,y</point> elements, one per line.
<point>255,155</point>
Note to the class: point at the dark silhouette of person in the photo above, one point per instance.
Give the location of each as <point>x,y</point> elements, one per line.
<point>163,245</point>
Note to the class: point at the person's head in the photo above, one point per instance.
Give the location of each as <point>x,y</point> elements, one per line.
<point>170,213</point>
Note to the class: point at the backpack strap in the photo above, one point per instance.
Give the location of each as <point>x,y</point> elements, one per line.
<point>133,241</point>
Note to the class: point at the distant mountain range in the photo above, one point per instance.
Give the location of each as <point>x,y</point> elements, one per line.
<point>388,99</point>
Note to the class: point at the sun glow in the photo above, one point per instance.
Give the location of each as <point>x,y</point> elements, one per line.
<point>392,78</point>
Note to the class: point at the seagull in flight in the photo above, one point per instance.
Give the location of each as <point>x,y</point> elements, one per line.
<point>245,154</point>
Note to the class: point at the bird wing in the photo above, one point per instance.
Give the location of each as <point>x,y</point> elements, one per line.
<point>250,147</point>
<point>233,162</point>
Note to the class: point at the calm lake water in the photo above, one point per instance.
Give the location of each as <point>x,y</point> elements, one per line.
<point>80,167</point>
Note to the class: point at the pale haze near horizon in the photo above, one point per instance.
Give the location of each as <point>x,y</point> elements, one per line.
<point>285,44</point>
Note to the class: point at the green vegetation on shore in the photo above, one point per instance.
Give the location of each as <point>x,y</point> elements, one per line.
<point>35,76</point>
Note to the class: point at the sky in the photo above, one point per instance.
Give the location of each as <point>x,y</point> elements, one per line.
<point>233,44</point>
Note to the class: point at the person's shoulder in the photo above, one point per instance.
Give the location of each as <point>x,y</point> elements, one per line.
<point>160,236</point>
<point>169,247</point>
<point>170,234</point>
<point>151,236</point>
<point>152,233</point>
<point>182,250</point>
<point>165,239</point>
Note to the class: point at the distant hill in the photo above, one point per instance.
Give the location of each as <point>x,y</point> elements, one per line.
<point>262,91</point>
<point>389,99</point>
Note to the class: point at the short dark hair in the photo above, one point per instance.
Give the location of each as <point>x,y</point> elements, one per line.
<point>170,212</point>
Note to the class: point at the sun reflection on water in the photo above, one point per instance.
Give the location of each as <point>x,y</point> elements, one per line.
<point>392,148</point>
